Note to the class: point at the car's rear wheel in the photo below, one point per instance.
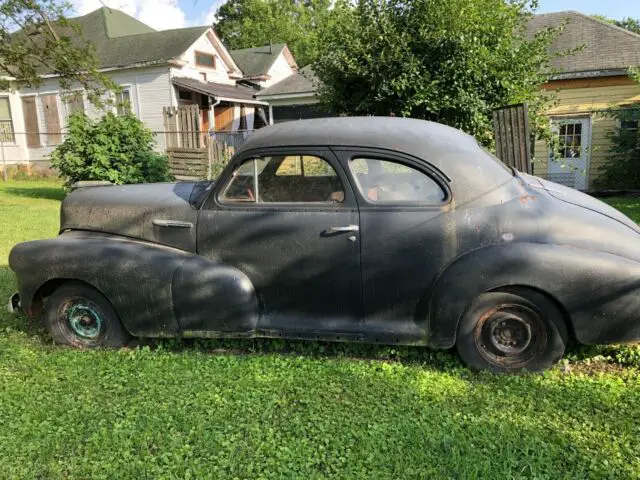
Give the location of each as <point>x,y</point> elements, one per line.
<point>512,331</point>
<point>79,315</point>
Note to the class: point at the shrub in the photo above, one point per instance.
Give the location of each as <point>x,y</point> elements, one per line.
<point>118,149</point>
<point>623,169</point>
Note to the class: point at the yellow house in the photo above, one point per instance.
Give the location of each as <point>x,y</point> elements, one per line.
<point>586,86</point>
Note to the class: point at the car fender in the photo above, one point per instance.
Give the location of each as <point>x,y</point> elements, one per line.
<point>597,292</point>
<point>148,284</point>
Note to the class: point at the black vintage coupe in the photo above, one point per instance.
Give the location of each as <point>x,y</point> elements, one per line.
<point>380,230</point>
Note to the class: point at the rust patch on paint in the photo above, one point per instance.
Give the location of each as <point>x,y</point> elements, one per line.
<point>524,199</point>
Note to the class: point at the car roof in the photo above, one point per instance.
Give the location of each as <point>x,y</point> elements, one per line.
<point>458,155</point>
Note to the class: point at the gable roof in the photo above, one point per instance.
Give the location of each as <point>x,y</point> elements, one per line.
<point>297,84</point>
<point>258,61</point>
<point>608,49</point>
<point>122,41</point>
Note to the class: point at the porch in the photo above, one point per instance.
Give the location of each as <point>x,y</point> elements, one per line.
<point>223,108</point>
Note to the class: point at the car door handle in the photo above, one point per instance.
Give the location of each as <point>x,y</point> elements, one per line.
<point>172,223</point>
<point>348,228</point>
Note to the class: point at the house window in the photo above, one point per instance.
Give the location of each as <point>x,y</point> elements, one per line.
<point>185,96</point>
<point>123,102</point>
<point>203,77</point>
<point>74,103</point>
<point>205,60</point>
<point>629,125</point>
<point>6,124</point>
<point>570,138</point>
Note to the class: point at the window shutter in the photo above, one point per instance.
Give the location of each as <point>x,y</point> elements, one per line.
<point>51,119</point>
<point>31,121</point>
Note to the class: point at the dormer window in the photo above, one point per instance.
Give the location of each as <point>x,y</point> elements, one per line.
<point>205,60</point>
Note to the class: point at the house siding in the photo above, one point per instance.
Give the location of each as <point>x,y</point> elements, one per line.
<point>191,70</point>
<point>278,71</point>
<point>590,99</point>
<point>150,90</point>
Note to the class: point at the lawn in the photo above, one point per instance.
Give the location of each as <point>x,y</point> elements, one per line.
<point>296,410</point>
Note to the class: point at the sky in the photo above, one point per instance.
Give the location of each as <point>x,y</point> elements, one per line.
<point>164,14</point>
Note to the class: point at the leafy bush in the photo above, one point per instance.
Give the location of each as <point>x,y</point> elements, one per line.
<point>114,148</point>
<point>623,169</point>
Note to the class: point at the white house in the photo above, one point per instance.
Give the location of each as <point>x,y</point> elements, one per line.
<point>155,69</point>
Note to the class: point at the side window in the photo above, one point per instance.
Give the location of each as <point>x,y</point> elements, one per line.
<point>385,181</point>
<point>285,179</point>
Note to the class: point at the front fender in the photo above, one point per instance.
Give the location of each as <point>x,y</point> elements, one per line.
<point>598,292</point>
<point>152,287</point>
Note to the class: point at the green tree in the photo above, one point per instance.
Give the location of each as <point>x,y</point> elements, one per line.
<point>118,149</point>
<point>451,61</point>
<point>36,38</point>
<point>253,23</point>
<point>628,23</point>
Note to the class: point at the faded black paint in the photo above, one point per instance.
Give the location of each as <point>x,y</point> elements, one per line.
<point>275,270</point>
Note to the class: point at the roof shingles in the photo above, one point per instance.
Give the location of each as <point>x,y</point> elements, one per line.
<point>299,83</point>
<point>257,61</point>
<point>606,47</point>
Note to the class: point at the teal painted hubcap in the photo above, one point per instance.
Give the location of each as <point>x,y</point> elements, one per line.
<point>84,320</point>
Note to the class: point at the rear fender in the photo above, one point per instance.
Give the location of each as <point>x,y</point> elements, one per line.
<point>598,292</point>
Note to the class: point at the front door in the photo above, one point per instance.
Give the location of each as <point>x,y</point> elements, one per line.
<point>289,220</point>
<point>570,166</point>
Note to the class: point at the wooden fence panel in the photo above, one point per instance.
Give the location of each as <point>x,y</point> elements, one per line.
<point>511,128</point>
<point>182,126</point>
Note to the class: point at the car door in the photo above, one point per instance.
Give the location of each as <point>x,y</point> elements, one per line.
<point>289,220</point>
<point>405,239</point>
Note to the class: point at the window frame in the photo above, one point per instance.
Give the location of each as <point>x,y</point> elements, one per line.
<point>626,128</point>
<point>439,178</point>
<point>213,66</point>
<point>76,94</point>
<point>124,88</point>
<point>216,198</point>
<point>12,134</point>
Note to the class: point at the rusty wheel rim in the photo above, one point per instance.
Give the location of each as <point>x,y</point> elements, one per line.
<point>83,318</point>
<point>510,335</point>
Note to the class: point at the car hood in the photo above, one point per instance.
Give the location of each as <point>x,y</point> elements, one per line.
<point>164,213</point>
<point>575,197</point>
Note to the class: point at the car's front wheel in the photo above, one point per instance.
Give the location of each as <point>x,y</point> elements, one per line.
<point>79,315</point>
<point>511,331</point>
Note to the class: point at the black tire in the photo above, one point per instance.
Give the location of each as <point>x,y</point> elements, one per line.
<point>79,315</point>
<point>511,331</point>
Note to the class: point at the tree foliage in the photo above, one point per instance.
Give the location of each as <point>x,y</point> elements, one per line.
<point>253,23</point>
<point>37,38</point>
<point>451,61</point>
<point>623,168</point>
<point>628,23</point>
<point>118,149</point>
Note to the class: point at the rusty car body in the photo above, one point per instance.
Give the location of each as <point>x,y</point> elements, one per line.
<point>301,237</point>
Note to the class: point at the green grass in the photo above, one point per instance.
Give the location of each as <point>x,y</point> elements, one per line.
<point>296,410</point>
<point>630,206</point>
